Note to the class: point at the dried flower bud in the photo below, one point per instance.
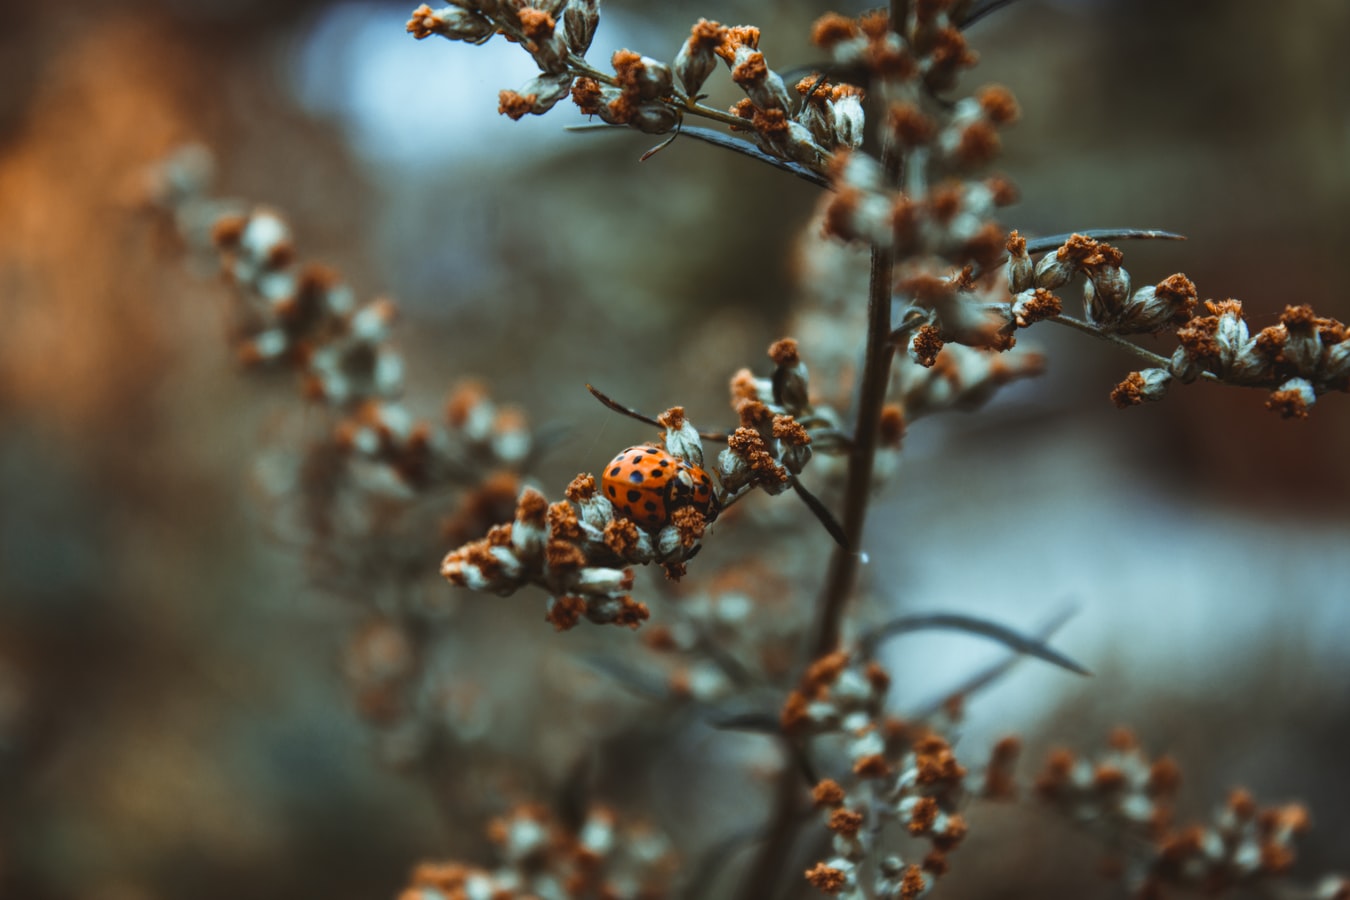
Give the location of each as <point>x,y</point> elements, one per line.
<point>1138,387</point>
<point>511,440</point>
<point>1105,294</point>
<point>529,531</point>
<point>733,472</point>
<point>1336,361</point>
<point>761,84</point>
<point>596,511</point>
<point>669,543</point>
<point>641,77</point>
<point>1230,331</point>
<point>794,443</point>
<point>858,171</point>
<point>371,323</point>
<point>450,22</point>
<point>1053,272</point>
<point>1170,301</point>
<point>1034,305</point>
<point>681,437</point>
<point>1293,399</point>
<point>848,120</point>
<point>266,240</point>
<point>1021,271</point>
<point>791,383</point>
<point>698,55</point>
<point>1184,366</point>
<point>1303,346</point>
<point>654,118</point>
<point>597,580</point>
<point>537,97</point>
<point>579,22</point>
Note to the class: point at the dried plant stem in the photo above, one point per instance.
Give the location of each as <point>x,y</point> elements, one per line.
<point>1161,362</point>
<point>776,850</point>
<point>775,854</point>
<point>843,571</point>
<point>876,371</point>
<point>676,99</point>
<point>577,65</point>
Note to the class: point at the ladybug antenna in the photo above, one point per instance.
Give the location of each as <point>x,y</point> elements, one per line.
<point>642,417</point>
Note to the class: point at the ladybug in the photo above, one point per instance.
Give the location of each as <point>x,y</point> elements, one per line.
<point>646,484</point>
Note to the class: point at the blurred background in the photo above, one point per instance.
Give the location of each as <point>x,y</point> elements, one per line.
<point>173,713</point>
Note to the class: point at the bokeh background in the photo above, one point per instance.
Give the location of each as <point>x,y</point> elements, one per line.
<point>173,715</point>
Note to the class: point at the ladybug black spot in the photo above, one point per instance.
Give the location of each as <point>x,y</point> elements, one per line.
<point>627,510</point>
<point>614,472</point>
<point>636,477</point>
<point>611,490</point>
<point>653,518</point>
<point>633,496</point>
<point>655,473</point>
<point>650,505</point>
<point>663,463</point>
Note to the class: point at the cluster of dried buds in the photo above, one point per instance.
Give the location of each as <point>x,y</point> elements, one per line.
<point>400,454</point>
<point>602,859</point>
<point>943,210</point>
<point>641,92</point>
<point>739,626</point>
<point>357,488</point>
<point>1125,795</point>
<point>1299,358</point>
<point>779,425</point>
<point>556,34</point>
<point>956,377</point>
<point>1108,301</point>
<point>577,549</point>
<point>901,777</point>
<point>581,549</point>
<point>303,316</point>
<point>831,116</point>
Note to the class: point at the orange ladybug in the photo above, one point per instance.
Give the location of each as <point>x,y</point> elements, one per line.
<point>646,484</point>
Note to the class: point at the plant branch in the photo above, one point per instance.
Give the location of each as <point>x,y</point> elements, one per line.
<point>763,877</point>
<point>843,571</point>
<point>1118,341</point>
<point>676,99</point>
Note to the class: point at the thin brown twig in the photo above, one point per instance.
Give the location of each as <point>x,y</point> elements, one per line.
<point>1115,339</point>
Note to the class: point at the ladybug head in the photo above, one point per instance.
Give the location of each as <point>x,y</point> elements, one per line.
<point>681,486</point>
<point>691,486</point>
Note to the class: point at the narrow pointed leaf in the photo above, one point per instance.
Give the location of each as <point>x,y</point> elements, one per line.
<point>980,10</point>
<point>1022,643</point>
<point>990,674</point>
<point>821,511</point>
<point>734,144</point>
<point>1051,241</point>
